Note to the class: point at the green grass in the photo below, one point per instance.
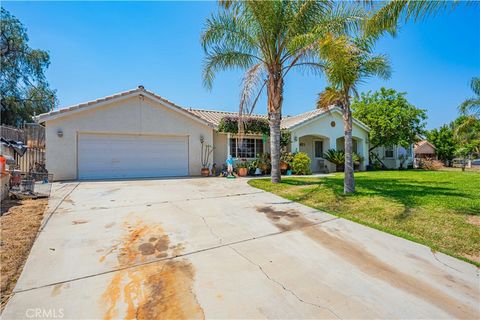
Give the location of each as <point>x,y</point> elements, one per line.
<point>435,208</point>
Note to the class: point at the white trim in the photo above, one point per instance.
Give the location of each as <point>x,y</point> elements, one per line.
<point>336,109</point>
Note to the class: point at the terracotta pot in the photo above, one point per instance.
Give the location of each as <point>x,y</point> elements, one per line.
<point>242,172</point>
<point>283,165</point>
<point>205,172</point>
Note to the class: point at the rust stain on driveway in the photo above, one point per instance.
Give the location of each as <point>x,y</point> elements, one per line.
<point>368,263</point>
<point>161,290</point>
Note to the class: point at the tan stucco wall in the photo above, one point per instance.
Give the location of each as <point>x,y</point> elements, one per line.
<point>135,115</point>
<point>220,152</point>
<point>321,127</point>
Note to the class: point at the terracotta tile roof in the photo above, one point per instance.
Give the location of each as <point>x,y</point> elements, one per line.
<point>214,116</point>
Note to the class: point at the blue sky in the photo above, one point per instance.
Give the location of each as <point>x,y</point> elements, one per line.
<point>101,48</point>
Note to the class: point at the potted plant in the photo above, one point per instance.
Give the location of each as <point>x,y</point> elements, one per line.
<point>286,159</point>
<point>205,153</point>
<point>264,162</point>
<point>242,168</point>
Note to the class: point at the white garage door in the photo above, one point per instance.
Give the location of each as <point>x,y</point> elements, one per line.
<point>104,156</point>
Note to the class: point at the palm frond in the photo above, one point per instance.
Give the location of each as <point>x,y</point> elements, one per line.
<point>470,106</point>
<point>475,85</point>
<point>221,58</point>
<point>252,81</point>
<point>387,18</point>
<point>329,97</point>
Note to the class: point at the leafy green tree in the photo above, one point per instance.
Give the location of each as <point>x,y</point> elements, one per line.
<point>268,39</point>
<point>472,105</point>
<point>23,88</point>
<point>348,62</point>
<point>391,118</point>
<point>444,141</point>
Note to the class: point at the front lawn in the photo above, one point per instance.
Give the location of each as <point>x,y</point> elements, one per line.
<point>437,208</point>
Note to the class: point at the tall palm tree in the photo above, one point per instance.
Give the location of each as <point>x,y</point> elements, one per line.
<point>472,105</point>
<point>347,63</point>
<point>268,39</point>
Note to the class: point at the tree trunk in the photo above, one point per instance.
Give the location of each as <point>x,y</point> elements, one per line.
<point>274,120</point>
<point>349,181</point>
<point>275,101</point>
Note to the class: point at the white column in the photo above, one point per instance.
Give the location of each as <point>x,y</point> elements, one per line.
<point>228,143</point>
<point>295,143</point>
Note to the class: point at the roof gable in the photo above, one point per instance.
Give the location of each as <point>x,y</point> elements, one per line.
<point>140,91</point>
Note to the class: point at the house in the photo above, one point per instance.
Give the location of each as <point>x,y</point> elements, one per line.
<point>138,133</point>
<point>393,157</point>
<point>424,149</point>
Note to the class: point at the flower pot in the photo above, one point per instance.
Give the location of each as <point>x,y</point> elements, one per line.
<point>242,172</point>
<point>205,172</point>
<point>283,165</point>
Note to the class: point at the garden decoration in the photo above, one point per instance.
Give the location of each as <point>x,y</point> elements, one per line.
<point>230,167</point>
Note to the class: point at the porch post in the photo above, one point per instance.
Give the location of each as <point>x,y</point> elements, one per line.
<point>294,144</point>
<point>228,144</point>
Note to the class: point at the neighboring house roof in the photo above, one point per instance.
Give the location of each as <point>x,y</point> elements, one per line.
<point>422,146</point>
<point>209,117</point>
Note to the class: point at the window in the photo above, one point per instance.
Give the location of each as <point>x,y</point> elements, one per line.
<point>388,152</point>
<point>245,148</point>
<point>318,149</point>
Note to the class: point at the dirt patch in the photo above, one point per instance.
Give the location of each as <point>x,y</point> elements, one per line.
<point>475,220</point>
<point>371,265</point>
<point>160,290</point>
<point>19,226</point>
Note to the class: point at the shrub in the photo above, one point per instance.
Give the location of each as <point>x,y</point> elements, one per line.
<point>301,163</point>
<point>430,164</point>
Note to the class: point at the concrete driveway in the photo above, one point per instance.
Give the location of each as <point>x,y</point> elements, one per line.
<point>218,248</point>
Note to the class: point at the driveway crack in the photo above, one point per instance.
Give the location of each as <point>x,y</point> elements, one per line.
<point>283,286</point>
<point>212,232</point>
<point>441,262</point>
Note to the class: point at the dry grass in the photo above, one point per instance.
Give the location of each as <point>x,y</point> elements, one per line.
<point>19,226</point>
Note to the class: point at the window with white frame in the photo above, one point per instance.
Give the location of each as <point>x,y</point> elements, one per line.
<point>246,147</point>
<point>389,152</point>
<point>318,152</point>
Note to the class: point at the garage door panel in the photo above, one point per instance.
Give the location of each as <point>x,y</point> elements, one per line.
<point>102,156</point>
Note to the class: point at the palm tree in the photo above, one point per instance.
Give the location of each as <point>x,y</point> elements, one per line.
<point>268,39</point>
<point>388,14</point>
<point>472,105</point>
<point>347,63</point>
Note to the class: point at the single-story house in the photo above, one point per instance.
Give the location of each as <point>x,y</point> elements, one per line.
<point>424,149</point>
<point>393,157</point>
<point>137,133</point>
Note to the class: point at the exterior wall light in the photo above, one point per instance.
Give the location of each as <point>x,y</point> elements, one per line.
<point>59,133</point>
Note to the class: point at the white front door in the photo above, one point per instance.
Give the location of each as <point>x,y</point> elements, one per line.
<point>105,156</point>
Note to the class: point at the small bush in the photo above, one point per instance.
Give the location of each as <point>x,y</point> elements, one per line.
<point>430,164</point>
<point>301,163</point>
